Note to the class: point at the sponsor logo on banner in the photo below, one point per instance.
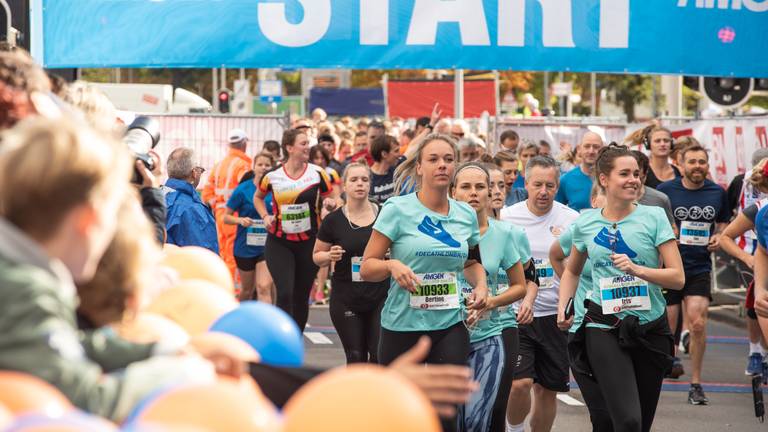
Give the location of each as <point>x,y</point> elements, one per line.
<point>740,156</point>
<point>762,137</point>
<point>718,145</point>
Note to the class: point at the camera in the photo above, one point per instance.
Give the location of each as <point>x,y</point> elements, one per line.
<point>142,135</point>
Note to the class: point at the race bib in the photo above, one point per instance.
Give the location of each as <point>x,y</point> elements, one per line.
<point>436,291</point>
<point>545,272</point>
<point>694,233</point>
<point>356,263</point>
<point>256,234</point>
<point>295,218</point>
<point>622,293</point>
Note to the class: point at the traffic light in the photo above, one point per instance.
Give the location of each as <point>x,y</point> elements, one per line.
<point>224,97</point>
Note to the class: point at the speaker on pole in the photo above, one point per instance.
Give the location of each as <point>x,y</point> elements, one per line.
<point>727,92</point>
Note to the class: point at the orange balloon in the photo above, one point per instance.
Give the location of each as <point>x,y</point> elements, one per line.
<point>192,262</point>
<point>22,393</point>
<point>148,327</point>
<point>223,406</point>
<point>193,304</point>
<point>360,398</point>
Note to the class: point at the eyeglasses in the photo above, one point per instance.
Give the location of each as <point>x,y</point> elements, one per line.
<point>302,127</point>
<point>199,169</point>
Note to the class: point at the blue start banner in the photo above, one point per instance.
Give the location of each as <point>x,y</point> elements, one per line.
<point>695,37</point>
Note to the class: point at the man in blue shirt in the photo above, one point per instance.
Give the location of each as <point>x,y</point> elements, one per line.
<point>701,213</point>
<point>190,222</point>
<point>576,185</point>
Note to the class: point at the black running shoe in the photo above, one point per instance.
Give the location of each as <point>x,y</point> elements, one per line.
<point>696,395</point>
<point>677,369</point>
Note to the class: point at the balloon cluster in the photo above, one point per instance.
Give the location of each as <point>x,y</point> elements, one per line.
<point>200,304</point>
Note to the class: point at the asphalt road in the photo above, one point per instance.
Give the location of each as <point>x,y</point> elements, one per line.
<point>725,384</point>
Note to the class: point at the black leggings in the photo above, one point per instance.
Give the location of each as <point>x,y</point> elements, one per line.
<point>449,346</point>
<point>590,391</point>
<point>629,379</point>
<point>291,266</point>
<point>499,414</point>
<point>358,329</point>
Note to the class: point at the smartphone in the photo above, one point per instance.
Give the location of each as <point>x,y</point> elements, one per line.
<point>757,397</point>
<point>569,308</point>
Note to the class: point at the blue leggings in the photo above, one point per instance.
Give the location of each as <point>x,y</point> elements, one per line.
<point>486,359</point>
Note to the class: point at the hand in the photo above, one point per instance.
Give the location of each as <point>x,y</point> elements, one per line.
<point>148,180</point>
<point>403,275</point>
<point>714,243</point>
<point>479,297</point>
<point>158,171</point>
<point>268,220</point>
<point>435,116</point>
<point>228,354</point>
<point>336,253</point>
<point>749,260</point>
<point>444,385</point>
<point>329,204</point>
<point>623,263</point>
<point>562,323</point>
<point>246,222</point>
<point>525,312</point>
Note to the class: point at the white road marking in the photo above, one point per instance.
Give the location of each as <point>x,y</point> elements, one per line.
<point>318,338</point>
<point>564,398</point>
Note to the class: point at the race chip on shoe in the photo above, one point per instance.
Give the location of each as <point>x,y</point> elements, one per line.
<point>622,293</point>
<point>437,291</point>
<point>694,233</point>
<point>295,218</point>
<point>256,234</point>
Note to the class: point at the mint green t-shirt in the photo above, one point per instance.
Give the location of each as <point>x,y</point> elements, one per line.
<point>638,236</point>
<point>507,314</point>
<point>498,253</point>
<point>584,290</point>
<point>433,246</point>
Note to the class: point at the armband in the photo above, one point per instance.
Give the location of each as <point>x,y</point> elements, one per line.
<point>530,272</point>
<point>474,253</point>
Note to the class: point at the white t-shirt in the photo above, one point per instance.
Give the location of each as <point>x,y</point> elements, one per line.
<point>542,231</point>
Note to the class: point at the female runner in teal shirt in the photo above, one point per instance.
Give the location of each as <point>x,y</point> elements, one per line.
<point>626,244</point>
<point>431,239</point>
<point>500,253</point>
<point>560,250</point>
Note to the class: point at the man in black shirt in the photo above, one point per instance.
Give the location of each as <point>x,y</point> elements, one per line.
<point>385,151</point>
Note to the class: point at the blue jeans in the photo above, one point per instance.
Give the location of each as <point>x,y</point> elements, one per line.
<point>486,359</point>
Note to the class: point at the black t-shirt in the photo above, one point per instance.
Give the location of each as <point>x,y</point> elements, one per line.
<point>336,229</point>
<point>654,182</point>
<point>382,186</point>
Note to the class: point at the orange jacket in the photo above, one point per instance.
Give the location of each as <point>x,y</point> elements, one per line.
<point>224,178</point>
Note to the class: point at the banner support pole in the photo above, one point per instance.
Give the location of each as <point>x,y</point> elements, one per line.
<point>458,94</point>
